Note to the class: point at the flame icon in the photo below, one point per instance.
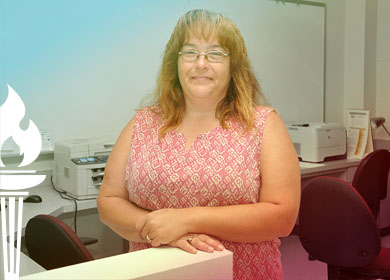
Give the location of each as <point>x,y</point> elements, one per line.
<point>29,141</point>
<point>30,144</point>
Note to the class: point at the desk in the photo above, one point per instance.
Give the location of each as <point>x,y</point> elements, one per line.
<point>54,205</point>
<point>343,169</point>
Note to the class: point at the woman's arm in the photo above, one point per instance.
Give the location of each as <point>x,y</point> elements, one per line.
<point>115,209</point>
<point>274,216</point>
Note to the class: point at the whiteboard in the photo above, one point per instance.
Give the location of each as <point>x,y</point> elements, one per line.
<point>83,67</point>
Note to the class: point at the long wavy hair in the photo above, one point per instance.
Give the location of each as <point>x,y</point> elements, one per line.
<point>244,91</point>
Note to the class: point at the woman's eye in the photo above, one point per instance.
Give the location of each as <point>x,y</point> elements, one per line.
<point>216,53</point>
<point>190,52</point>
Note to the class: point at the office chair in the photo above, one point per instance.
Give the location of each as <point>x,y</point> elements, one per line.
<point>338,228</point>
<point>370,178</point>
<point>53,244</point>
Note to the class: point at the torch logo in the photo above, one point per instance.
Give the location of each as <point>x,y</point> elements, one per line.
<point>12,181</point>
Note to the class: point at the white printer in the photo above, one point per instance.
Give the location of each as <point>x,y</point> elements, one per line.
<point>317,142</point>
<point>79,165</point>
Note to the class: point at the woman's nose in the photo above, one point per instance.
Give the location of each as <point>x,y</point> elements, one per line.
<point>201,61</point>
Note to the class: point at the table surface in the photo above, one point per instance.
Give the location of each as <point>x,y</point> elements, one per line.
<point>52,204</point>
<point>153,263</point>
<point>308,168</point>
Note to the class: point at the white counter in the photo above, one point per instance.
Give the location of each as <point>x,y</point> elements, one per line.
<point>152,264</point>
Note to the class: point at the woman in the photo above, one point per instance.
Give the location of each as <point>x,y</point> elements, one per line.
<point>206,166</point>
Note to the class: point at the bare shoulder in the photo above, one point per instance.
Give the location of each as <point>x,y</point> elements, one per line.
<point>275,136</point>
<point>279,165</point>
<point>114,181</point>
<point>122,146</point>
<point>277,156</point>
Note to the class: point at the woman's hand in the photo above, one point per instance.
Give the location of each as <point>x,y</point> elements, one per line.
<point>162,226</point>
<point>193,242</point>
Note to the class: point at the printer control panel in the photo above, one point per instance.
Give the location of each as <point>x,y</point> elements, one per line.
<point>90,160</point>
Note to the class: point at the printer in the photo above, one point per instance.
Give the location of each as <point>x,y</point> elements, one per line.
<point>317,142</point>
<point>79,165</point>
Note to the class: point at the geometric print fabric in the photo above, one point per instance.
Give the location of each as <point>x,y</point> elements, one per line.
<point>222,167</point>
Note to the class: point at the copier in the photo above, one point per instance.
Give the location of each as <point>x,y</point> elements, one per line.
<point>79,165</point>
<point>318,142</point>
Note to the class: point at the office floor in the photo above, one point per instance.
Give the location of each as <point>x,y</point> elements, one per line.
<point>296,265</point>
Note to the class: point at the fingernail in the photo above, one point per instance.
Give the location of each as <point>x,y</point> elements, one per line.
<point>220,247</point>
<point>194,251</point>
<point>210,249</point>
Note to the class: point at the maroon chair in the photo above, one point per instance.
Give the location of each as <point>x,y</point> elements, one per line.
<point>53,244</point>
<point>338,228</point>
<point>371,178</point>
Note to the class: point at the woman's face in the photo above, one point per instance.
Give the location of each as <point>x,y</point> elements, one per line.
<point>201,79</point>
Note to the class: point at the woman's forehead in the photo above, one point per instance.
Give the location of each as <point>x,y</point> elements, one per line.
<point>202,30</point>
<point>199,39</point>
<point>193,40</point>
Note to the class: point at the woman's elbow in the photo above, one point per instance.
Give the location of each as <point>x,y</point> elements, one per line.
<point>100,202</point>
<point>288,222</point>
<point>286,230</point>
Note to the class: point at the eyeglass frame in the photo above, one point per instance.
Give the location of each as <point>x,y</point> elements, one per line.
<point>206,54</point>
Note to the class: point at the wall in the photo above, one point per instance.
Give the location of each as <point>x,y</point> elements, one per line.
<point>383,66</point>
<point>349,82</point>
<point>382,83</point>
<point>367,59</point>
<point>370,56</point>
<point>354,55</point>
<point>358,59</point>
<point>334,63</point>
<point>357,62</point>
<point>88,66</point>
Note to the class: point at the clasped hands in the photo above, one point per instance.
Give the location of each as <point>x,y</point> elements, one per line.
<point>169,227</point>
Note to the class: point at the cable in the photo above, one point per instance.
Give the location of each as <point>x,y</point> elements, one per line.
<point>65,196</point>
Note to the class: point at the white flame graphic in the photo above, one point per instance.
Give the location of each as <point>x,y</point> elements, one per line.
<point>29,140</point>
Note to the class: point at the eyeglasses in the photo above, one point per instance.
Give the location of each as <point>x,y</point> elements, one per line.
<point>212,56</point>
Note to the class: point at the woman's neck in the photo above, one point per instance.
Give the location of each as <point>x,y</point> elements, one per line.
<point>199,112</point>
<point>201,109</point>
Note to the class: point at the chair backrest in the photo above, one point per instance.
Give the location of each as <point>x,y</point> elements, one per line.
<point>370,178</point>
<point>336,226</point>
<point>53,244</point>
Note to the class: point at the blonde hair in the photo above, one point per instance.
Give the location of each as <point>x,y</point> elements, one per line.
<point>244,91</point>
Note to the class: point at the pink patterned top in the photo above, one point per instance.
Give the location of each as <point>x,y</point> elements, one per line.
<point>222,167</point>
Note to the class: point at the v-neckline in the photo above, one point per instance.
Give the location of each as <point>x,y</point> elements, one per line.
<point>200,136</point>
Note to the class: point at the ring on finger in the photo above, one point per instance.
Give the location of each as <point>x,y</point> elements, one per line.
<point>189,239</point>
<point>148,238</point>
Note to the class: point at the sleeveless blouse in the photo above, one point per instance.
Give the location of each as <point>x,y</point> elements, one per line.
<point>222,167</point>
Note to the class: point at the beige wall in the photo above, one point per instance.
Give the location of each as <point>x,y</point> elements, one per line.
<point>358,59</point>
<point>354,53</point>
<point>383,65</point>
<point>334,61</point>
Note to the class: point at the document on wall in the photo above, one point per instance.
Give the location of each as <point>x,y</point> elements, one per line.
<point>47,144</point>
<point>359,135</point>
